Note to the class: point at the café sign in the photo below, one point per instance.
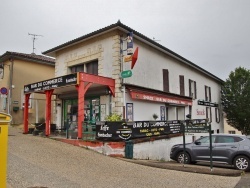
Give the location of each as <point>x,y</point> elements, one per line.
<point>70,79</point>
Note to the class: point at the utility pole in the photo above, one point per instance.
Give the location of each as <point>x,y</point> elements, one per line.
<point>34,38</point>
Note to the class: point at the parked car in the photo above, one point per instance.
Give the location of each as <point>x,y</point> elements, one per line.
<point>229,149</point>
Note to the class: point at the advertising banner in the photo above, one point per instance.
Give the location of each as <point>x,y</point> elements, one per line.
<point>130,43</point>
<point>115,131</point>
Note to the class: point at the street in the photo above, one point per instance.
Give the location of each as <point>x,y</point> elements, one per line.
<point>34,161</point>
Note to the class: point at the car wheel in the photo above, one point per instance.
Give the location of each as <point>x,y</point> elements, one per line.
<point>180,158</point>
<point>242,163</point>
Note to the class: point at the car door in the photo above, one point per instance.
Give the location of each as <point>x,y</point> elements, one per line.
<point>201,148</point>
<point>225,146</point>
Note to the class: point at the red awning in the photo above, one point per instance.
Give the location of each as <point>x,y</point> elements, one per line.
<point>159,97</point>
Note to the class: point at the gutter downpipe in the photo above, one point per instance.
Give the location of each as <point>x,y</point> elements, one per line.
<point>10,86</point>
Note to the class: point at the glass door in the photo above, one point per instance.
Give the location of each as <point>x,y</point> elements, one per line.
<point>70,112</point>
<point>92,111</point>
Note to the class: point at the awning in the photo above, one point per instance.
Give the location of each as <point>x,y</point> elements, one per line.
<point>147,94</point>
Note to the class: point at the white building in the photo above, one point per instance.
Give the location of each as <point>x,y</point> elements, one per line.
<point>162,82</point>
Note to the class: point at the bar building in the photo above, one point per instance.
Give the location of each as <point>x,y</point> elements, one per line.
<point>93,78</point>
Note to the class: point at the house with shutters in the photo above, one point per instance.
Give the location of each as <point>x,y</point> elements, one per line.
<point>16,70</point>
<point>94,78</point>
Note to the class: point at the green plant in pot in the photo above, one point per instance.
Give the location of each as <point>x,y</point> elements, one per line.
<point>114,117</point>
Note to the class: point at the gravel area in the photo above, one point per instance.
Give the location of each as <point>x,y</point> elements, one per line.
<point>34,161</point>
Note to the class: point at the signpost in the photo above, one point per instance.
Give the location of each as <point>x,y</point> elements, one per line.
<point>126,74</point>
<point>197,126</point>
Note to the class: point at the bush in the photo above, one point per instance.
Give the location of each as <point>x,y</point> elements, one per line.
<point>114,117</point>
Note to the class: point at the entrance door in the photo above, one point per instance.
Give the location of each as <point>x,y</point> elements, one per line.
<point>92,110</point>
<point>70,112</point>
<point>91,115</point>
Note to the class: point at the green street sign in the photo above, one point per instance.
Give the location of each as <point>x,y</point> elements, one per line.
<point>126,74</point>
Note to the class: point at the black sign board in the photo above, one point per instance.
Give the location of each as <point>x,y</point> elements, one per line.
<point>137,129</point>
<point>207,103</point>
<point>57,82</point>
<point>197,126</point>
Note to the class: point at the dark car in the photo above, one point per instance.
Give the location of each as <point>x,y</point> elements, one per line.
<point>229,149</point>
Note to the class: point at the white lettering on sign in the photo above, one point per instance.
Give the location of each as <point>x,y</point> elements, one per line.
<point>71,80</point>
<point>143,96</point>
<point>137,125</point>
<point>53,81</point>
<point>148,97</point>
<point>104,128</point>
<point>103,135</point>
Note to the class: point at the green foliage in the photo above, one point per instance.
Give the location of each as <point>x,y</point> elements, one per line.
<point>155,116</point>
<point>114,117</point>
<point>236,99</point>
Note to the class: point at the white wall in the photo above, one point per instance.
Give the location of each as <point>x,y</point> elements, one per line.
<point>147,73</point>
<point>157,149</point>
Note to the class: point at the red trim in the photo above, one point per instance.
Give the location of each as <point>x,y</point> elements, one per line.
<point>26,114</point>
<point>140,95</point>
<point>48,94</point>
<point>98,80</point>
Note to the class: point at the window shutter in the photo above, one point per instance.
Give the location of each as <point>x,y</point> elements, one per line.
<point>195,92</point>
<point>165,80</point>
<point>210,109</point>
<point>210,94</point>
<point>206,99</point>
<point>190,87</point>
<point>182,86</point>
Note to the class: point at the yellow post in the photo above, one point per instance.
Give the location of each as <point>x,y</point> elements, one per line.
<point>4,122</point>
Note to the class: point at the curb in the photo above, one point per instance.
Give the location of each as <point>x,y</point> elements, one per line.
<point>187,168</point>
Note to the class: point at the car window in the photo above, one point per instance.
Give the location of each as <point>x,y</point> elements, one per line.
<point>237,139</point>
<point>226,139</point>
<point>205,140</point>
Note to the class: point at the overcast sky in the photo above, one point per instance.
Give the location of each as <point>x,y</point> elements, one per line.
<point>214,34</point>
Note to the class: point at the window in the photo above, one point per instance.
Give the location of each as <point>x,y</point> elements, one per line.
<point>225,139</point>
<point>165,80</point>
<point>1,72</point>
<point>206,140</point>
<point>92,67</point>
<point>77,68</point>
<point>192,89</point>
<point>182,85</point>
<point>208,114</point>
<point>231,132</point>
<point>207,93</point>
<point>217,115</point>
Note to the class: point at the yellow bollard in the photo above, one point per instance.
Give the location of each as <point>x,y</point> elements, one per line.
<point>5,119</point>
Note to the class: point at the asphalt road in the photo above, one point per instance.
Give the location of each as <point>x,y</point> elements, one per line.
<point>34,161</point>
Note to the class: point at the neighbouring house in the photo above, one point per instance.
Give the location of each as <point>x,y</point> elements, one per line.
<point>119,70</point>
<point>16,70</point>
<point>228,128</point>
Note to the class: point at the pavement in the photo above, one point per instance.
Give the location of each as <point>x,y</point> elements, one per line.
<point>200,168</point>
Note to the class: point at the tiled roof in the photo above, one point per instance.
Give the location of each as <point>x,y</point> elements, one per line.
<point>125,28</point>
<point>34,57</point>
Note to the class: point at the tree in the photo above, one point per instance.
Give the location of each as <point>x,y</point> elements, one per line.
<point>236,99</point>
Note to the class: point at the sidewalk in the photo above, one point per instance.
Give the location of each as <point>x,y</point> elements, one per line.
<point>203,169</point>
